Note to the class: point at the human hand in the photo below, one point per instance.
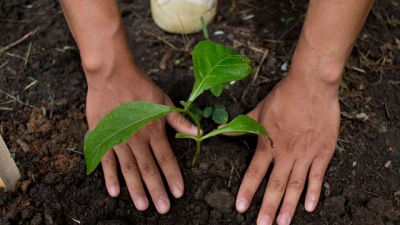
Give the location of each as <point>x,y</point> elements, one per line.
<point>128,83</point>
<point>303,120</point>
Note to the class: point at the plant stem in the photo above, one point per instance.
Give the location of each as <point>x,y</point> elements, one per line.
<point>198,144</point>
<point>198,138</point>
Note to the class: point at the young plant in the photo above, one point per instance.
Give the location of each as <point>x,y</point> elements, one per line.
<point>214,66</point>
<point>217,113</point>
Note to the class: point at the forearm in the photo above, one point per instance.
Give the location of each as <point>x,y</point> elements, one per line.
<point>328,36</point>
<point>97,28</point>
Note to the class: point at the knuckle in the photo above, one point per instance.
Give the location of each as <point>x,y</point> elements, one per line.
<point>153,125</point>
<point>317,176</point>
<point>296,184</point>
<point>135,190</point>
<point>108,162</point>
<point>181,119</point>
<point>129,168</point>
<point>269,208</point>
<point>254,172</point>
<point>276,185</point>
<point>165,158</point>
<point>148,170</point>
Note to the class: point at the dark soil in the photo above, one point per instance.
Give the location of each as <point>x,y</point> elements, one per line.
<point>362,183</point>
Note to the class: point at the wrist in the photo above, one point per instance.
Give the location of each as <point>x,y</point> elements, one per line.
<point>109,47</point>
<point>109,62</point>
<point>316,66</point>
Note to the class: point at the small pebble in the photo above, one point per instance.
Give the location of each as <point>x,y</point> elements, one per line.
<point>219,32</point>
<point>230,36</point>
<point>284,66</point>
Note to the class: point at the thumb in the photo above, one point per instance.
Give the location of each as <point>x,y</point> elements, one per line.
<point>254,113</point>
<point>181,124</point>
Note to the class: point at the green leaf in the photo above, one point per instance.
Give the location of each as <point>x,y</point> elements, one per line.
<point>117,127</point>
<point>196,111</point>
<point>286,21</point>
<point>216,64</point>
<point>343,84</point>
<point>217,90</point>
<point>226,86</point>
<point>183,135</point>
<point>204,28</point>
<point>240,125</point>
<point>207,112</point>
<point>220,116</point>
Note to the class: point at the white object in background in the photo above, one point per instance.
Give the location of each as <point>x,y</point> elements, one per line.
<point>182,16</point>
<point>9,173</point>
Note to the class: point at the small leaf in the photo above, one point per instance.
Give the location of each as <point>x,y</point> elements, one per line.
<point>183,135</point>
<point>240,125</point>
<point>207,112</point>
<point>220,116</point>
<point>217,90</point>
<point>215,64</point>
<point>196,111</point>
<point>183,103</point>
<point>226,86</point>
<point>117,127</point>
<point>204,28</point>
<point>343,84</point>
<point>286,21</point>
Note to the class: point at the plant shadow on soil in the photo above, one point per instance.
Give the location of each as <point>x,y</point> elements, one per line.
<point>361,184</point>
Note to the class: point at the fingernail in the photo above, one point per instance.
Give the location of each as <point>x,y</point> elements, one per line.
<point>113,191</point>
<point>141,203</point>
<point>242,205</point>
<point>162,206</point>
<point>194,129</point>
<point>177,191</point>
<point>265,220</point>
<point>310,206</point>
<point>283,219</point>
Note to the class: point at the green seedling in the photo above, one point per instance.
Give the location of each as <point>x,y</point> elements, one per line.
<point>217,113</point>
<point>214,65</point>
<point>204,28</point>
<point>343,84</point>
<point>286,21</point>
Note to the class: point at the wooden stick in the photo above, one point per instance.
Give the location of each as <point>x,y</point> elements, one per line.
<point>9,173</point>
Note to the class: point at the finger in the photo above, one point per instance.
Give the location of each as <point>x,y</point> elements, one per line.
<point>179,122</point>
<point>275,189</point>
<point>229,134</point>
<point>168,163</point>
<point>150,173</point>
<point>315,179</point>
<point>254,175</point>
<point>293,191</point>
<point>132,177</point>
<point>109,164</point>
<point>255,112</point>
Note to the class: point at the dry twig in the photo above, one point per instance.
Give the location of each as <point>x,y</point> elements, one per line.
<point>3,65</point>
<point>16,99</point>
<point>30,33</point>
<point>255,74</point>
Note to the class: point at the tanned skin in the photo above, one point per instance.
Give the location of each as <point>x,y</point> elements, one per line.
<point>301,113</point>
